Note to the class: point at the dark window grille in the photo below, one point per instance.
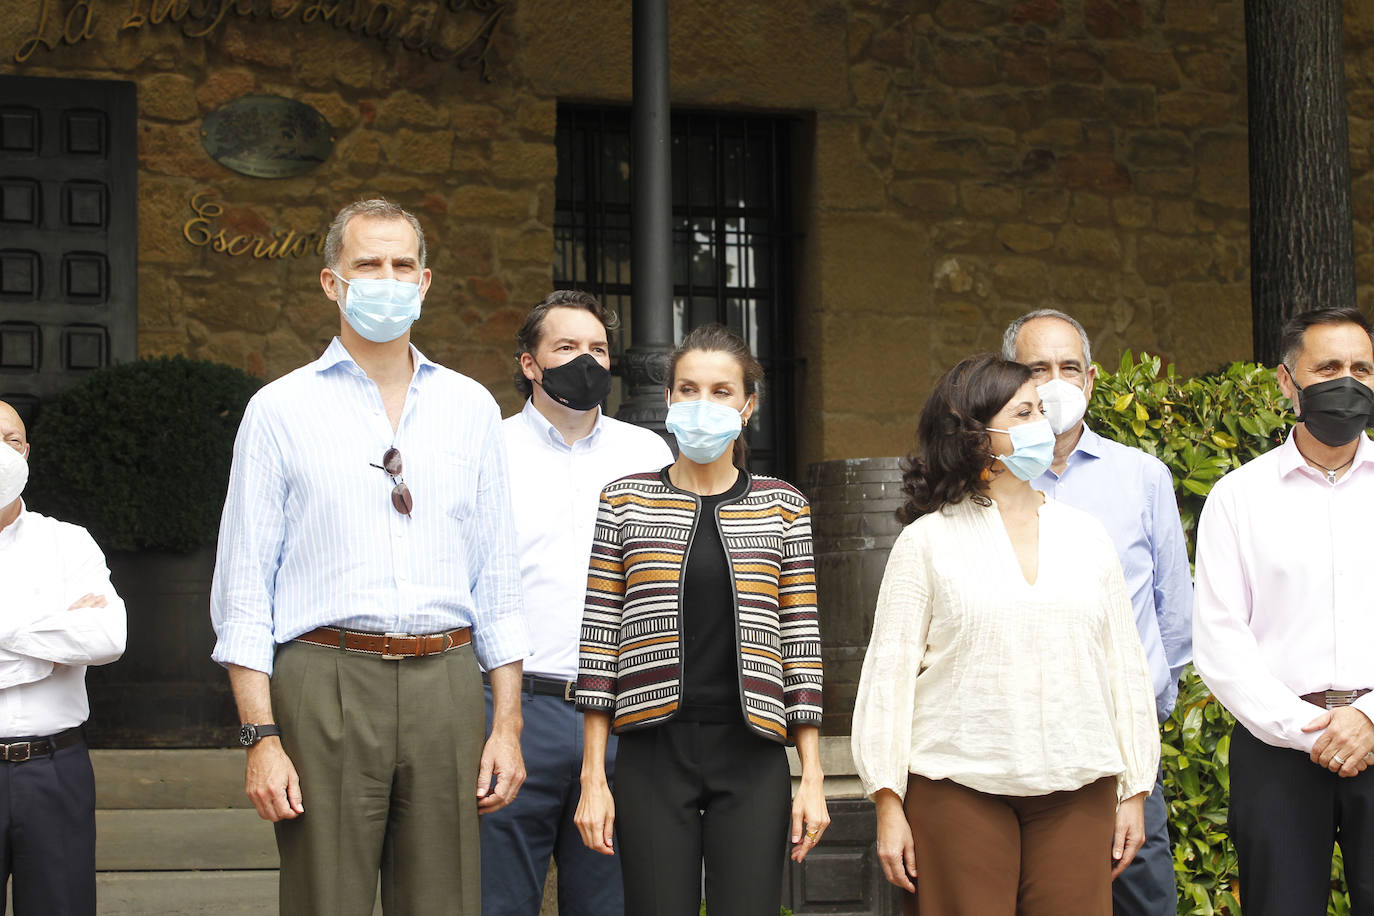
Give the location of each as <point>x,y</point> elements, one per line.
<point>732,240</point>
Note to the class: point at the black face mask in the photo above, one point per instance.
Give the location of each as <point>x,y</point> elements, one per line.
<point>580,383</point>
<point>1336,411</point>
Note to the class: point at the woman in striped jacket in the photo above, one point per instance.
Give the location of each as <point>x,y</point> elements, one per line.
<point>701,651</point>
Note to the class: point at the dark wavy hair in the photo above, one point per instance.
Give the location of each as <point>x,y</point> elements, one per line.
<point>527,339</point>
<point>951,436</point>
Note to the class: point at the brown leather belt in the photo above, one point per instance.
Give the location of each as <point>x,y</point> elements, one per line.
<point>390,646</point>
<point>19,751</point>
<point>1331,699</point>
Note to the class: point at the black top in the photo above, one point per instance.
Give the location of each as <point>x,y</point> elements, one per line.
<point>710,656</point>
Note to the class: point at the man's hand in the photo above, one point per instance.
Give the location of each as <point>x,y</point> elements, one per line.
<point>1346,743</point>
<point>502,771</point>
<point>1129,834</point>
<point>88,600</point>
<point>272,783</point>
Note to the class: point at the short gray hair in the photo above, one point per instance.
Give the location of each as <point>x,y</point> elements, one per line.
<point>1014,330</point>
<point>376,208</point>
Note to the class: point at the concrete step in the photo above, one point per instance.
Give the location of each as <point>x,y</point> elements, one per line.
<point>154,779</point>
<point>200,893</point>
<point>183,840</point>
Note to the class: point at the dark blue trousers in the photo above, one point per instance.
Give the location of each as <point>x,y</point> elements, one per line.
<point>47,833</point>
<point>1146,887</point>
<point>518,840</point>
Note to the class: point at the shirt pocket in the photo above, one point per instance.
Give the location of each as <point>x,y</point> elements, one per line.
<point>455,484</point>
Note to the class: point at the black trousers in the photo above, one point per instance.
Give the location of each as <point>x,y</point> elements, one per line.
<point>1286,814</point>
<point>688,792</point>
<point>47,833</point>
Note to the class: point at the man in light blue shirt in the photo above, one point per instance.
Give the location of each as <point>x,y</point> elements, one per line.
<point>366,565</point>
<point>562,450</point>
<point>1132,494</point>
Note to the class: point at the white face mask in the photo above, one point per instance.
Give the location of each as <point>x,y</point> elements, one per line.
<point>14,474</point>
<point>1064,404</point>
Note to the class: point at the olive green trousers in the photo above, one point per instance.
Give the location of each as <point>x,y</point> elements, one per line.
<point>387,753</point>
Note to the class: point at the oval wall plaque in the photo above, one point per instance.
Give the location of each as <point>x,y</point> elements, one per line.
<point>267,136</point>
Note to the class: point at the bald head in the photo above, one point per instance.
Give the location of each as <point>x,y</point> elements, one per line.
<point>12,431</point>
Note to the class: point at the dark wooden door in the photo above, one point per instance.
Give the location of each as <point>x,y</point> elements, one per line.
<point>68,233</point>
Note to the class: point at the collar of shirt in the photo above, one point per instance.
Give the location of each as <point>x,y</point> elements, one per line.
<point>337,354</point>
<point>1290,459</point>
<point>1089,447</point>
<point>546,431</point>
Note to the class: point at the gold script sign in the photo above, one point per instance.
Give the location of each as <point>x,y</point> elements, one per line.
<point>461,31</point>
<point>201,231</point>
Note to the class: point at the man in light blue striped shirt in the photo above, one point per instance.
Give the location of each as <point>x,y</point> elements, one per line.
<point>366,565</point>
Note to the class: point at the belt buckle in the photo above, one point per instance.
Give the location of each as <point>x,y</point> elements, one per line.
<point>568,688</point>
<point>12,749</point>
<point>386,644</point>
<point>1338,698</point>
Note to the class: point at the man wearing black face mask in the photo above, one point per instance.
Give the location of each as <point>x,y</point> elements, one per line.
<point>562,450</point>
<point>1283,629</point>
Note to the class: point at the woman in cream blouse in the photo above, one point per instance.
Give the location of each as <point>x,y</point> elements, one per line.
<point>1005,724</point>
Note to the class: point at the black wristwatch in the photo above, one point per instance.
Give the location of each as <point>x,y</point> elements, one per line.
<point>250,735</point>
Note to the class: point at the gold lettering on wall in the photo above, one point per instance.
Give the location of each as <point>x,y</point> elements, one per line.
<point>200,230</point>
<point>461,31</point>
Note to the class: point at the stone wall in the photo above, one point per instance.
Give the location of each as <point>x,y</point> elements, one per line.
<point>959,162</point>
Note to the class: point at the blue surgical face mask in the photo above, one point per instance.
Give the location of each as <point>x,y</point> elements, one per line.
<point>381,309</point>
<point>704,429</point>
<point>1032,449</point>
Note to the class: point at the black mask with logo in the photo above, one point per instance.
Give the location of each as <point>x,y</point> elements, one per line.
<point>580,384</point>
<point>1335,411</point>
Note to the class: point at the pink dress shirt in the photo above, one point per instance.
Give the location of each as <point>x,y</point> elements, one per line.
<point>1282,605</point>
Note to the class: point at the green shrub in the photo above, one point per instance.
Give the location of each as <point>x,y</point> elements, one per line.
<point>1200,428</point>
<point>139,453</point>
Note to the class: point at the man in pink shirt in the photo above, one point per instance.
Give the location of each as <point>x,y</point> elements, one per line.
<point>1283,628</point>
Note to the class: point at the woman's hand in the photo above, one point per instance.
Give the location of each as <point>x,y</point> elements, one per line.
<point>1130,832</point>
<point>595,817</point>
<point>896,848</point>
<point>809,815</point>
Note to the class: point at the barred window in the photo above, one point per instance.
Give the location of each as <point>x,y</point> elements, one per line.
<point>732,240</point>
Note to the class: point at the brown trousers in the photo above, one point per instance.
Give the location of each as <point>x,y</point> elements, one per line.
<point>387,753</point>
<point>999,855</point>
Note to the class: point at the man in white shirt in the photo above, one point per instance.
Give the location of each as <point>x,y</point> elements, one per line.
<point>366,566</point>
<point>60,614</point>
<point>563,450</point>
<point>1284,628</point>
<point>1132,494</point>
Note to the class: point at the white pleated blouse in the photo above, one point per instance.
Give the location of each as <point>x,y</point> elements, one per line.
<point>977,676</point>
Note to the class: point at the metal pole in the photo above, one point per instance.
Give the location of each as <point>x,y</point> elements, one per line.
<point>651,253</point>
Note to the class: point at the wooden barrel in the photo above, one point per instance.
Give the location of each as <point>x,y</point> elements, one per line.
<point>852,506</point>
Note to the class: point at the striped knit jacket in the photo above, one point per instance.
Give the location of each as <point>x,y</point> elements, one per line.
<point>630,664</point>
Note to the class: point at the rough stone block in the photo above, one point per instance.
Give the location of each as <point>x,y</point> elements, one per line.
<point>1040,12</point>
<point>871,262</point>
<point>224,85</point>
<point>409,109</point>
<point>1028,66</point>
<point>1016,110</point>
<point>1175,217</point>
<point>1158,149</point>
<point>516,160</point>
<point>1191,17</point>
<point>1196,108</point>
<point>969,15</point>
<point>1164,260</point>
<point>1076,65</point>
<point>477,202</point>
<point>925,195</point>
<point>964,235</point>
<point>1085,284</point>
<point>423,152</point>
<point>966,63</point>
<point>168,96</point>
<point>175,150</point>
<point>1094,171</point>
<point>845,179</point>
<point>1155,182</point>
<point>1113,19</point>
<point>1133,64</point>
<point>915,153</point>
<point>1090,209</point>
<point>990,199</point>
<point>1131,106</point>
<point>1059,134</point>
<point>474,122</point>
<point>1046,205</point>
<point>1021,278</point>
<point>535,246</point>
<point>1086,245</point>
<point>1070,100</point>
<point>537,116</point>
<point>1133,212</point>
<point>1024,237</point>
<point>1217,70</point>
<point>1222,168</point>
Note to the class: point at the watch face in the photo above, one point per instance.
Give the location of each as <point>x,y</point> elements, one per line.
<point>248,736</point>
